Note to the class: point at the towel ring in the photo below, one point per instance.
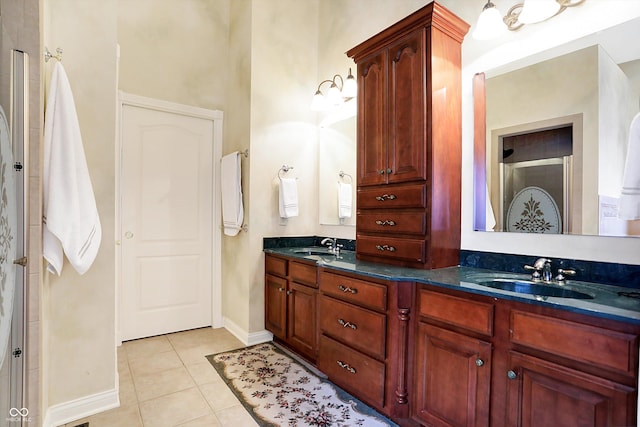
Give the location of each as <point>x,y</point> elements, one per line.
<point>343,174</point>
<point>284,169</point>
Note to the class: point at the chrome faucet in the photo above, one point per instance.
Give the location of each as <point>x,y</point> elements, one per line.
<point>332,244</point>
<point>541,270</point>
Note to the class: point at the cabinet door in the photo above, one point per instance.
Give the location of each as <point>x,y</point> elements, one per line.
<point>407,127</point>
<point>275,300</point>
<point>302,329</point>
<point>372,126</point>
<point>542,393</point>
<point>452,379</point>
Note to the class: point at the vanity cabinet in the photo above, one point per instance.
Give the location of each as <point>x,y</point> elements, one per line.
<point>291,292</point>
<point>482,361</point>
<point>409,141</point>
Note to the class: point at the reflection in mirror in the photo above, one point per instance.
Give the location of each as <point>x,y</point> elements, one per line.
<point>557,131</point>
<point>337,153</point>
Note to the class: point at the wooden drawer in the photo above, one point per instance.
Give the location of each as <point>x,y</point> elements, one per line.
<point>388,196</point>
<point>366,294</point>
<point>276,266</point>
<point>391,247</point>
<point>362,329</point>
<point>393,222</point>
<point>303,273</point>
<point>471,315</point>
<point>359,374</point>
<point>605,348</point>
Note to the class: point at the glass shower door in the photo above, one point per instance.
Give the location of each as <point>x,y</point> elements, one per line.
<point>13,184</point>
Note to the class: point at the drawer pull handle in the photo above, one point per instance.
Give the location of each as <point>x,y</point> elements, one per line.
<point>347,289</point>
<point>347,324</point>
<point>386,197</point>
<point>479,362</point>
<point>346,366</point>
<point>512,375</point>
<point>385,248</point>
<point>385,222</point>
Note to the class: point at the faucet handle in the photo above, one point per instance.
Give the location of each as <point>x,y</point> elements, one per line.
<point>535,276</point>
<point>563,273</point>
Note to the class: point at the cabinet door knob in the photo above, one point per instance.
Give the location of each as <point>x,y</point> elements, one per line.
<point>479,362</point>
<point>289,292</point>
<point>381,172</point>
<point>512,375</point>
<point>280,289</point>
<point>389,170</point>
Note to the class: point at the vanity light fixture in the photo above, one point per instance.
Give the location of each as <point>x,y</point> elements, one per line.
<point>527,12</point>
<point>339,92</point>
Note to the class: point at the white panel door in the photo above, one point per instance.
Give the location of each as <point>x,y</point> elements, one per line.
<point>167,184</point>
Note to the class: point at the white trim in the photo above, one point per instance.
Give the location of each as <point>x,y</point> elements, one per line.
<point>244,336</point>
<point>73,410</point>
<point>170,107</point>
<point>216,116</point>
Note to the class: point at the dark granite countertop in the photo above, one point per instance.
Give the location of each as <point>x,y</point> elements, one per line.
<point>611,302</point>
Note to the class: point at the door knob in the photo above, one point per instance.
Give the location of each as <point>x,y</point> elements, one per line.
<point>512,375</point>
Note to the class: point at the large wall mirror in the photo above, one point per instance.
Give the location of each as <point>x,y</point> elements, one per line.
<point>337,170</point>
<point>555,137</point>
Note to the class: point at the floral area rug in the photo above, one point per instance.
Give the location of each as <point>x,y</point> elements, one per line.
<point>279,391</point>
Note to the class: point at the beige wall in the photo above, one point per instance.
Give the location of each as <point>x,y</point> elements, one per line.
<point>79,311</point>
<point>260,62</point>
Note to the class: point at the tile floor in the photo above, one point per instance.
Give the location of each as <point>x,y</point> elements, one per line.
<point>166,381</point>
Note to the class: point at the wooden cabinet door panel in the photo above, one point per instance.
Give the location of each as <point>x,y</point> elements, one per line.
<point>547,394</point>
<point>393,197</point>
<point>356,291</point>
<point>303,273</point>
<point>453,377</point>
<point>391,247</point>
<point>275,299</point>
<point>302,331</point>
<point>407,128</point>
<point>393,222</point>
<point>357,327</point>
<point>372,125</point>
<point>361,375</point>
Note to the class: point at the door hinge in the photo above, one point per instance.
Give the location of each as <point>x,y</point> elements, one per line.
<point>17,352</point>
<point>21,261</point>
<point>17,166</point>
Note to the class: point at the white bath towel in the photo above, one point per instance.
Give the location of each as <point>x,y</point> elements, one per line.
<point>345,196</point>
<point>70,216</point>
<point>288,197</point>
<point>629,207</point>
<point>231,186</point>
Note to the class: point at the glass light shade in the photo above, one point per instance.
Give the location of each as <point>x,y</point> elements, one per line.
<point>334,97</point>
<point>350,88</point>
<point>490,24</point>
<point>318,103</point>
<point>537,11</point>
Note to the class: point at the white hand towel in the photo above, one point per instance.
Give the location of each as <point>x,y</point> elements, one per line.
<point>232,209</point>
<point>345,196</point>
<point>288,197</point>
<point>70,216</point>
<point>490,218</point>
<point>629,207</point>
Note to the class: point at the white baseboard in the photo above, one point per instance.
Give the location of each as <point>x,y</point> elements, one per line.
<point>67,412</point>
<point>246,338</point>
